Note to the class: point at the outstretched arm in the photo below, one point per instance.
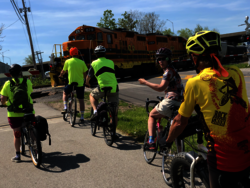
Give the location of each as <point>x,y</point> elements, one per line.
<point>157,87</point>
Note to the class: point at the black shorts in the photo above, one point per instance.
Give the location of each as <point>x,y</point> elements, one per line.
<point>222,179</point>
<point>79,91</point>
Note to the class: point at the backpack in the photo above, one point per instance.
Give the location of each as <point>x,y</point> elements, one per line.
<point>102,114</point>
<point>42,128</point>
<point>20,97</point>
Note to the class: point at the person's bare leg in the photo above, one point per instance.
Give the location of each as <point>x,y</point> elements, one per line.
<point>93,102</point>
<point>153,116</point>
<point>17,141</point>
<point>82,104</point>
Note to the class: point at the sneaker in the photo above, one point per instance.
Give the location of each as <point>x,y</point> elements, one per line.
<point>16,159</point>
<point>93,117</point>
<point>116,137</point>
<point>150,146</point>
<point>81,121</point>
<point>64,111</point>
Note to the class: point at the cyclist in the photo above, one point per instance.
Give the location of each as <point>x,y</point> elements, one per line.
<point>15,118</point>
<point>226,126</point>
<point>104,71</point>
<point>172,85</point>
<point>76,69</point>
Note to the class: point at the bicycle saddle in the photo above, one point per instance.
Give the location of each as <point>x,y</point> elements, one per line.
<point>174,108</point>
<point>28,116</point>
<point>74,84</point>
<point>106,89</point>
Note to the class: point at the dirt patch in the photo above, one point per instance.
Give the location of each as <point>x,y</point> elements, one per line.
<point>58,105</point>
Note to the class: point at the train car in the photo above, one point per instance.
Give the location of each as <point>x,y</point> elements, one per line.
<point>132,53</point>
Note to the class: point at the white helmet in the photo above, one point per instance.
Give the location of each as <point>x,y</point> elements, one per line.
<point>247,17</point>
<point>100,49</point>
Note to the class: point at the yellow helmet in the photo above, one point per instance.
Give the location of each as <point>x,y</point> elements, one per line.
<point>203,41</point>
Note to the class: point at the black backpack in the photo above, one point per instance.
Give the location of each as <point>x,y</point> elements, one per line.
<point>42,128</point>
<point>20,97</point>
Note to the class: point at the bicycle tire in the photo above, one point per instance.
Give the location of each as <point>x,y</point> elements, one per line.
<point>22,145</point>
<point>35,148</point>
<point>92,124</point>
<point>167,160</point>
<point>109,131</point>
<point>180,172</point>
<point>73,111</point>
<point>149,156</point>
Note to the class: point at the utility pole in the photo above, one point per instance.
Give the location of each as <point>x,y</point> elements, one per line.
<point>40,60</point>
<point>25,10</point>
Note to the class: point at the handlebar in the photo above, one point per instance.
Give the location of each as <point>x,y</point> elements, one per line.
<point>152,102</point>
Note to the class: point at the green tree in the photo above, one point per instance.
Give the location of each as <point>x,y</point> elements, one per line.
<point>200,28</point>
<point>28,60</point>
<point>185,33</point>
<point>127,22</point>
<point>167,32</point>
<point>107,20</point>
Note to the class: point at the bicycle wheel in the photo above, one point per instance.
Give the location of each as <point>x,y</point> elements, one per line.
<point>73,111</point>
<point>167,160</point>
<point>35,148</point>
<point>22,146</point>
<point>180,172</point>
<point>149,155</point>
<point>109,129</point>
<point>93,124</point>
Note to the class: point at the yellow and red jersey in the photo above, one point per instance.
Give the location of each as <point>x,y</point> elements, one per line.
<point>225,108</point>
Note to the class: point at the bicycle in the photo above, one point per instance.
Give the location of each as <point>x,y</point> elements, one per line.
<point>29,133</point>
<point>108,121</point>
<point>149,155</point>
<point>72,104</point>
<point>191,164</point>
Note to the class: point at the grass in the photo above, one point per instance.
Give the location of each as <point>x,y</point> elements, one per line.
<point>38,81</point>
<point>240,65</point>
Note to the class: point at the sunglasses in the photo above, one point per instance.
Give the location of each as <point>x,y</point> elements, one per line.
<point>163,59</point>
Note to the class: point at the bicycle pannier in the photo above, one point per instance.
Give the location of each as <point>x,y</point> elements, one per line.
<point>42,128</point>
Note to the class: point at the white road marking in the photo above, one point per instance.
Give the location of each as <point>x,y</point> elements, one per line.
<point>130,85</point>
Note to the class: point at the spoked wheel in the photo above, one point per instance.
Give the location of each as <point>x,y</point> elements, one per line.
<point>167,158</point>
<point>73,111</point>
<point>109,131</point>
<point>35,148</point>
<point>93,124</point>
<point>149,155</point>
<point>22,146</point>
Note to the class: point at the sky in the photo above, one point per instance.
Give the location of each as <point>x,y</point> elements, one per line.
<point>51,21</point>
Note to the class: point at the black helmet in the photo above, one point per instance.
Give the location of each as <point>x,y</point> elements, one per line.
<point>163,52</point>
<point>15,70</point>
<point>100,50</point>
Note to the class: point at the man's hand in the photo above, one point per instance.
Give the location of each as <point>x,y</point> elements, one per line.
<point>142,81</point>
<point>87,84</point>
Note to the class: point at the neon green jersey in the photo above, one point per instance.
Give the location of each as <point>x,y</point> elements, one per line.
<point>75,68</point>
<point>7,93</point>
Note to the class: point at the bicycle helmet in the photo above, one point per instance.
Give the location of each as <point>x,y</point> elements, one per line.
<point>206,43</point>
<point>73,51</point>
<point>203,41</point>
<point>100,50</point>
<point>15,70</point>
<point>163,52</point>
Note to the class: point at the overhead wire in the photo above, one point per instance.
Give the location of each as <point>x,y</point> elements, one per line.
<point>10,24</point>
<point>17,12</point>
<point>34,27</point>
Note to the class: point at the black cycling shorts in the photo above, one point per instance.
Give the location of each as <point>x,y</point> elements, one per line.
<point>222,179</point>
<point>79,91</point>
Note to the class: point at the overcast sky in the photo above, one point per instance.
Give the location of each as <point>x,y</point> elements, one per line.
<point>51,21</point>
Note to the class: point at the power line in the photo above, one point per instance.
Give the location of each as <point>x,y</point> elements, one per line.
<point>25,35</point>
<point>10,25</point>
<point>34,28</point>
<point>17,11</point>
